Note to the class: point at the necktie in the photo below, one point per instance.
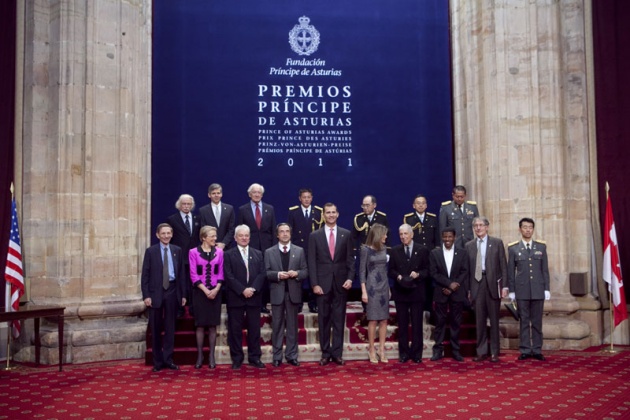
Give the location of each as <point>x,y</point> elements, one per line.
<point>165,279</point>
<point>529,250</point>
<point>244,251</point>
<point>258,217</point>
<point>408,251</point>
<point>217,214</point>
<point>284,249</point>
<point>331,244</point>
<point>187,222</point>
<point>306,214</point>
<point>478,261</point>
<point>460,209</point>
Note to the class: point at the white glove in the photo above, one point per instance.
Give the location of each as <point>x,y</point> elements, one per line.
<point>547,295</point>
<point>512,296</point>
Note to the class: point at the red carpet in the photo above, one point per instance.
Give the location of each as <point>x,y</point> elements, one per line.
<point>589,385</point>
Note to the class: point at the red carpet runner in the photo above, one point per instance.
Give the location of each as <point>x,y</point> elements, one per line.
<point>589,385</point>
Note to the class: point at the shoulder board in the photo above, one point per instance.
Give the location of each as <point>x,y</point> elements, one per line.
<point>431,214</point>
<point>381,213</point>
<point>472,203</point>
<point>318,208</point>
<point>409,214</point>
<point>513,243</point>
<point>358,214</point>
<point>293,208</point>
<point>446,203</point>
<point>540,241</point>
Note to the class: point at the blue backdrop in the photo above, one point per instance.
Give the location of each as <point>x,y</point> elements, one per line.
<point>352,99</point>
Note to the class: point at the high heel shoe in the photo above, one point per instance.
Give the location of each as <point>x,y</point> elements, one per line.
<point>372,357</point>
<point>382,358</point>
<point>199,362</point>
<point>212,365</point>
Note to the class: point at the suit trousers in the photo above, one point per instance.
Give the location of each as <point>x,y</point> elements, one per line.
<point>407,312</point>
<point>486,307</point>
<point>163,319</point>
<point>453,312</point>
<point>237,317</point>
<point>530,312</point>
<point>332,314</point>
<point>284,316</point>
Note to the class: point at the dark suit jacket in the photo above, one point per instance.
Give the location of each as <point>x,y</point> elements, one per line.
<point>426,233</point>
<point>302,228</point>
<point>151,279</point>
<point>459,274</point>
<point>528,272</point>
<point>181,237</point>
<point>496,267</point>
<point>322,270</point>
<point>236,279</point>
<point>273,265</point>
<point>266,236</point>
<point>400,265</point>
<point>225,231</point>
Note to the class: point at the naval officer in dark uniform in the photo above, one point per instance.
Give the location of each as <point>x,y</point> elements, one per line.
<point>364,220</point>
<point>459,214</point>
<point>426,231</point>
<point>304,219</point>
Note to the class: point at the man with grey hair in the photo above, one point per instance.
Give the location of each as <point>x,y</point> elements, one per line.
<point>409,267</point>
<point>244,271</point>
<point>488,284</point>
<point>261,219</point>
<point>219,215</point>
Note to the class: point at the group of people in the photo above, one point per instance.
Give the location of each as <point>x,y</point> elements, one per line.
<point>247,260</point>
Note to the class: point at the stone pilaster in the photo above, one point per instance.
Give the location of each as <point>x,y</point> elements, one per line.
<point>86,165</point>
<point>522,129</point>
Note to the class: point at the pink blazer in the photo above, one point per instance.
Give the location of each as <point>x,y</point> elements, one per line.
<point>202,270</point>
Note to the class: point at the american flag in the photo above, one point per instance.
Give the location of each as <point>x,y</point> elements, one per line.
<point>13,273</point>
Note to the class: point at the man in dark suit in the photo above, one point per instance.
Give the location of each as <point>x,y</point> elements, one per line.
<point>286,268</point>
<point>331,270</point>
<point>261,219</point>
<point>364,220</point>
<point>487,279</point>
<point>244,270</point>
<point>162,284</point>
<point>409,267</point>
<point>528,281</point>
<point>219,215</point>
<point>426,230</point>
<point>304,219</point>
<point>449,268</point>
<point>459,214</point>
<point>186,227</point>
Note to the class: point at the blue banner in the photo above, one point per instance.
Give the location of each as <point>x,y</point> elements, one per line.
<point>348,98</point>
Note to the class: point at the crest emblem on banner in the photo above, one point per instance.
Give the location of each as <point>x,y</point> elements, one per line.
<point>304,38</point>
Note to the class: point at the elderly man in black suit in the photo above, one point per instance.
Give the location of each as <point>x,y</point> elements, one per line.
<point>162,284</point>
<point>448,266</point>
<point>331,270</point>
<point>219,215</point>
<point>286,268</point>
<point>244,271</point>
<point>409,267</point>
<point>487,279</point>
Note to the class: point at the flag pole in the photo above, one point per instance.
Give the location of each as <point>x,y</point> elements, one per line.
<point>610,301</point>
<point>9,323</point>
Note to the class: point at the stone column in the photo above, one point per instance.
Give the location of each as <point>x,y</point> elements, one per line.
<point>522,136</point>
<point>86,165</point>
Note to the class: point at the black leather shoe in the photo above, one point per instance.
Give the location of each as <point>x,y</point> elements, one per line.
<point>480,358</point>
<point>539,356</point>
<point>494,359</point>
<point>199,363</point>
<point>403,359</point>
<point>339,361</point>
<point>313,309</point>
<point>171,366</point>
<point>524,356</point>
<point>264,310</point>
<point>257,364</point>
<point>156,369</point>
<point>324,361</point>
<point>436,357</point>
<point>417,360</point>
<point>293,362</point>
<point>458,357</point>
<point>236,366</point>
<point>212,365</point>
<point>276,363</point>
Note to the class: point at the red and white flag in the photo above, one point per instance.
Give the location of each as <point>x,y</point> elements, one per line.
<point>612,267</point>
<point>13,273</point>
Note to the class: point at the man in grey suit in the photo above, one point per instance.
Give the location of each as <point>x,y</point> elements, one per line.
<point>286,268</point>
<point>487,278</point>
<point>331,270</point>
<point>528,281</point>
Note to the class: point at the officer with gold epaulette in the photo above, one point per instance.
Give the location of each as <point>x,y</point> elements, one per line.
<point>304,219</point>
<point>459,214</point>
<point>426,231</point>
<point>364,221</point>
